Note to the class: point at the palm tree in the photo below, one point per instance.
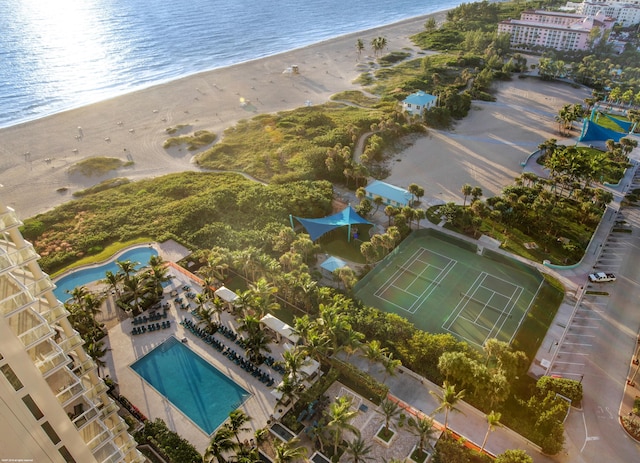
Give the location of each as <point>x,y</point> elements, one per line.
<point>236,423</point>
<point>339,417</point>
<point>127,268</point>
<point>448,400</point>
<point>286,452</point>
<point>221,442</point>
<point>374,352</point>
<point>358,450</point>
<point>293,361</point>
<point>96,350</point>
<point>113,280</point>
<point>389,410</point>
<point>493,420</point>
<point>391,365</point>
<point>423,428</point>
<point>466,191</point>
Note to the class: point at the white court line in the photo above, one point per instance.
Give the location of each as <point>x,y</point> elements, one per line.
<point>519,290</point>
<point>391,280</point>
<point>460,306</point>
<point>524,314</point>
<point>432,287</point>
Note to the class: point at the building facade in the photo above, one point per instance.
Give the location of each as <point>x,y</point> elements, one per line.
<point>625,13</point>
<point>55,407</point>
<point>552,29</point>
<point>418,102</point>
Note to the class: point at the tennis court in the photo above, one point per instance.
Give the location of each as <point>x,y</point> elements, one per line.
<point>442,284</point>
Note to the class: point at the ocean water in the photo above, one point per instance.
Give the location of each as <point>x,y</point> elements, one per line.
<point>61,54</point>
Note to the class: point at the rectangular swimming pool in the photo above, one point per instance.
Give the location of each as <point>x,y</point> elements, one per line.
<point>194,386</point>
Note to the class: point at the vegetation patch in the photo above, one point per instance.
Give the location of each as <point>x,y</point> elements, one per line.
<point>102,186</point>
<point>174,129</point>
<point>197,140</point>
<point>356,97</point>
<point>95,166</point>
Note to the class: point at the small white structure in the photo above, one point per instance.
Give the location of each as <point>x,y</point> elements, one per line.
<point>279,327</point>
<point>226,295</point>
<point>418,102</point>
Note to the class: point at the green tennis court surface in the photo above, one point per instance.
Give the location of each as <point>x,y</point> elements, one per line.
<point>443,285</point>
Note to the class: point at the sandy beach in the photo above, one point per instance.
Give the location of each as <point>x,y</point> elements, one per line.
<point>35,156</point>
<point>485,149</point>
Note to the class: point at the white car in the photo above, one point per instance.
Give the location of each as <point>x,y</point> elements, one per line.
<point>601,277</point>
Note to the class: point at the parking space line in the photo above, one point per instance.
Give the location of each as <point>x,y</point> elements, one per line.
<point>577,344</point>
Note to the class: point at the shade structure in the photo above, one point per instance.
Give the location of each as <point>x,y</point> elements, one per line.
<point>280,327</point>
<point>318,227</point>
<point>226,294</point>
<point>624,125</point>
<point>333,263</point>
<point>595,132</point>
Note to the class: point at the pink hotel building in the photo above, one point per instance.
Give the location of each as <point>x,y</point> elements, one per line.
<point>552,29</point>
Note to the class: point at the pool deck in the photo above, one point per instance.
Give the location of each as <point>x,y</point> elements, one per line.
<point>126,349</point>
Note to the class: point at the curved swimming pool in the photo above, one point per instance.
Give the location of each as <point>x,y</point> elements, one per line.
<point>84,276</point>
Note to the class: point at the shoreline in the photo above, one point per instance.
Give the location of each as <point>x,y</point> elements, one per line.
<point>35,155</point>
<point>169,80</point>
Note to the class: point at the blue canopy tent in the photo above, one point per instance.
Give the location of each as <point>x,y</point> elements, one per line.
<point>333,263</point>
<point>318,227</point>
<point>594,132</point>
<point>624,125</point>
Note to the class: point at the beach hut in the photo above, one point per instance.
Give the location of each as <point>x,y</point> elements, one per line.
<point>418,102</point>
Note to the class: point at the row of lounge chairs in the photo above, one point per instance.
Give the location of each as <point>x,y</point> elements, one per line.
<point>151,318</point>
<point>151,327</point>
<point>270,361</point>
<point>231,354</point>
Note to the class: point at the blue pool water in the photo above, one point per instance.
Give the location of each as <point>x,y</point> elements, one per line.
<point>190,383</point>
<point>89,275</point>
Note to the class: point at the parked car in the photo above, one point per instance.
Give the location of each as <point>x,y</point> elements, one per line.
<point>601,277</point>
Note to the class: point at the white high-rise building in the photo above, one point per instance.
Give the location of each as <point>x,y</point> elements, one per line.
<point>625,12</point>
<point>53,406</point>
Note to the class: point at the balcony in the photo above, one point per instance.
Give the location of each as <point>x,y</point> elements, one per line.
<point>128,445</point>
<point>108,410</point>
<point>18,300</point>
<point>69,344</point>
<point>85,418</point>
<point>38,287</point>
<point>16,257</point>
<point>8,220</point>
<point>95,434</point>
<point>48,364</point>
<point>108,453</point>
<point>36,334</point>
<point>69,393</point>
<point>94,393</point>
<point>119,427</point>
<point>55,314</point>
<point>85,367</point>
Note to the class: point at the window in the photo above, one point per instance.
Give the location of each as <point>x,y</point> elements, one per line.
<point>66,455</point>
<point>33,408</point>
<point>11,377</point>
<point>48,429</point>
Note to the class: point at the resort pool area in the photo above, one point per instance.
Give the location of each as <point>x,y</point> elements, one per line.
<point>89,275</point>
<point>194,386</point>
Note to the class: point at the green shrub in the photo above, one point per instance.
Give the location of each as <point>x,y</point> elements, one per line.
<point>568,388</point>
<point>174,447</point>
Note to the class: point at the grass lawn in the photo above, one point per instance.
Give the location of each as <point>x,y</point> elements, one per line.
<point>609,124</point>
<point>335,243</point>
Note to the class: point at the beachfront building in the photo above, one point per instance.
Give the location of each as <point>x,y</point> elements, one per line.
<point>391,195</point>
<point>55,408</point>
<point>418,102</point>
<point>553,29</point>
<point>625,12</point>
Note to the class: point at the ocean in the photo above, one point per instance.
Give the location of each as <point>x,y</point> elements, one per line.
<point>61,54</point>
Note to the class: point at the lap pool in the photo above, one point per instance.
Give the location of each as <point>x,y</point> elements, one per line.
<point>194,386</point>
<point>84,276</point>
